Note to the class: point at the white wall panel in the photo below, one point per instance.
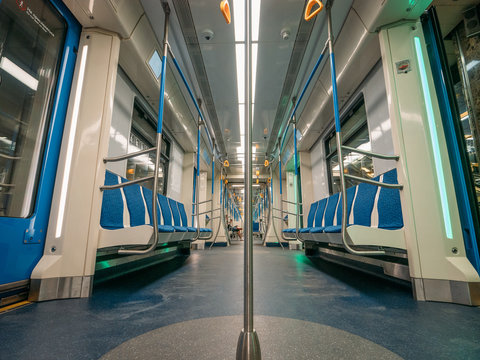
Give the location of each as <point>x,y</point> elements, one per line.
<point>175,173</point>
<point>121,124</point>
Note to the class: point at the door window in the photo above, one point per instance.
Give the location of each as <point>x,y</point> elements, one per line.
<point>32,34</point>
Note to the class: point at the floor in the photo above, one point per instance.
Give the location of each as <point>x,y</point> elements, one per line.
<point>207,290</point>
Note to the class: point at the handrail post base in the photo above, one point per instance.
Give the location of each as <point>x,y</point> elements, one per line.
<point>248,346</point>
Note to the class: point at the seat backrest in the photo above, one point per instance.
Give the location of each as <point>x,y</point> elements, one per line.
<point>389,206</point>
<point>183,214</point>
<point>319,214</point>
<point>351,192</point>
<point>166,212</point>
<point>112,204</point>
<point>311,214</point>
<point>364,202</point>
<point>175,212</point>
<point>256,226</point>
<point>147,195</point>
<point>136,204</point>
<point>331,209</point>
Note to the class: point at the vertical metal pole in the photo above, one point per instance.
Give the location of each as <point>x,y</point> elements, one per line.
<point>158,144</point>
<point>297,192</point>
<point>197,175</point>
<point>248,347</point>
<point>337,118</point>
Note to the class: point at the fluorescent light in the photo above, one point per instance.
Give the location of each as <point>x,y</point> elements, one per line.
<point>71,141</point>
<point>241,117</point>
<point>18,73</point>
<point>240,54</point>
<point>256,5</point>
<point>434,138</point>
<point>237,185</point>
<point>239,19</point>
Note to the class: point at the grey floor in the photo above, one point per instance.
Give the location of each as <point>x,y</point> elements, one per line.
<point>289,289</point>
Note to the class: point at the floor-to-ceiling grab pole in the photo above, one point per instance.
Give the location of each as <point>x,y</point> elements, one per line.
<point>273,216</point>
<point>297,186</point>
<point>196,187</point>
<point>158,145</point>
<point>248,347</point>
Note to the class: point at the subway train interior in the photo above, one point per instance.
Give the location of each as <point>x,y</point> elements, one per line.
<point>219,179</point>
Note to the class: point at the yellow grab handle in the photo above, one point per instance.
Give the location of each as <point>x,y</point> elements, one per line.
<point>226,163</point>
<point>225,9</point>
<point>311,3</point>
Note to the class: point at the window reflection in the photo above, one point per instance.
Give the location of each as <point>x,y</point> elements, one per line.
<point>355,134</point>
<point>143,136</point>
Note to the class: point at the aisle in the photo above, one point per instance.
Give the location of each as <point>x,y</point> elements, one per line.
<point>209,285</point>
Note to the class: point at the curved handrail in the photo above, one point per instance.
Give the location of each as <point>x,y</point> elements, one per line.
<point>345,236</point>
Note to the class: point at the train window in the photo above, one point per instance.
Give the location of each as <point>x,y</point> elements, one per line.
<point>31,42</point>
<point>463,56</point>
<point>355,134</point>
<point>143,136</point>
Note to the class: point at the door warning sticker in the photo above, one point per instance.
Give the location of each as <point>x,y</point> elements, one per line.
<point>23,6</point>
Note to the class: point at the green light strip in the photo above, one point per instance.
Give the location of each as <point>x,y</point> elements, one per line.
<point>434,138</point>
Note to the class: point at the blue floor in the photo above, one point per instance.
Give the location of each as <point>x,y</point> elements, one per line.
<point>210,283</point>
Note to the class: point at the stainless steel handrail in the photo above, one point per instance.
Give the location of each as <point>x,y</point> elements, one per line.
<point>345,237</point>
<point>10,157</point>
<point>292,202</point>
<point>122,185</point>
<point>7,185</point>
<point>372,154</point>
<point>203,202</point>
<point>373,182</point>
<point>206,212</point>
<point>129,156</point>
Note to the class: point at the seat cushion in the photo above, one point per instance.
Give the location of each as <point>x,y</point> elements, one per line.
<point>166,228</point>
<point>317,230</point>
<point>333,229</point>
<point>305,230</point>
<point>180,228</point>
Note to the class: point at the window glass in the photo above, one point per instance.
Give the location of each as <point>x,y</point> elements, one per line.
<point>463,55</point>
<point>31,41</point>
<point>355,134</point>
<point>143,136</point>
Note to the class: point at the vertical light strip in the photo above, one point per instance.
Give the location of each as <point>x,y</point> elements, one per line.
<point>240,59</point>
<point>239,19</point>
<point>256,5</point>
<point>434,139</point>
<point>254,70</point>
<point>241,115</point>
<point>71,142</point>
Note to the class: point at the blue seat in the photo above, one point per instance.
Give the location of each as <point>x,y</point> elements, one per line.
<point>183,216</point>
<point>351,192</point>
<point>112,205</point>
<point>329,214</point>
<point>255,227</point>
<point>176,216</point>
<point>147,194</point>
<point>136,198</point>
<point>167,214</point>
<point>311,217</point>
<point>389,207</point>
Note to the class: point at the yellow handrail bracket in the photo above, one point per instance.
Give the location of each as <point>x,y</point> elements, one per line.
<point>308,10</point>
<point>225,9</point>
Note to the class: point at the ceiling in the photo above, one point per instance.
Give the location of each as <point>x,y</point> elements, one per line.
<point>205,46</point>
